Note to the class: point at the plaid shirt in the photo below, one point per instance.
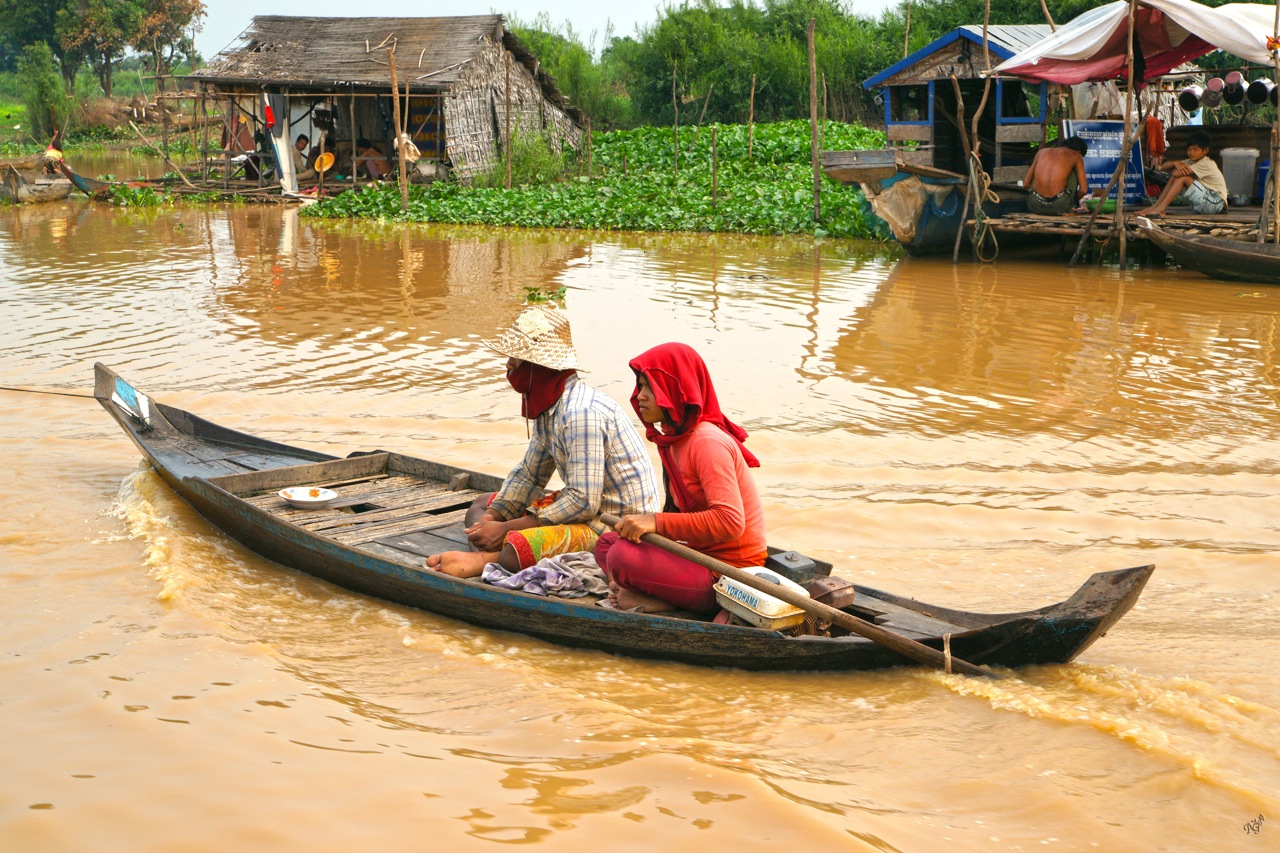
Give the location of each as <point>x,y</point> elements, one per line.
<point>588,438</point>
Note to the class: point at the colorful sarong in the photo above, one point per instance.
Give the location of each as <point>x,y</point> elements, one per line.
<point>534,543</point>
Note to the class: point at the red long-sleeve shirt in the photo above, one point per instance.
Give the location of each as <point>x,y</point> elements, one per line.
<point>726,520</point>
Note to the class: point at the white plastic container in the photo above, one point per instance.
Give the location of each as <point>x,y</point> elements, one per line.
<point>757,608</point>
<point>1240,169</point>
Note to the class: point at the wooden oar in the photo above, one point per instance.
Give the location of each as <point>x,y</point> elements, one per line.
<point>895,642</point>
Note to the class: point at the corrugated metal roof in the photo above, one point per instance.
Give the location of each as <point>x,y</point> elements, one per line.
<point>1016,38</point>
<point>284,50</point>
<point>1005,41</point>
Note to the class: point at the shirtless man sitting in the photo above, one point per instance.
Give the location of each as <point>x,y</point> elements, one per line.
<point>1056,178</point>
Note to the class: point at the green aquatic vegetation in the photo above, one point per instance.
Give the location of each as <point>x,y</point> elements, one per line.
<point>634,186</point>
<point>125,196</point>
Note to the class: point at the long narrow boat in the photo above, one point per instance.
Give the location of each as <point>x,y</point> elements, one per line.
<point>393,510</point>
<point>17,189</point>
<point>1217,257</point>
<point>92,187</point>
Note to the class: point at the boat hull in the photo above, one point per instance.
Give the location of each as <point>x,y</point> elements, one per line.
<point>230,479</point>
<point>1219,257</point>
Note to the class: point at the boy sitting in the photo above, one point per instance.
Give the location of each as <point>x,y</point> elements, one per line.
<point>1196,179</point>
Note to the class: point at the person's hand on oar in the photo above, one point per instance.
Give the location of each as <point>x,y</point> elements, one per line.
<point>895,642</point>
<point>633,527</point>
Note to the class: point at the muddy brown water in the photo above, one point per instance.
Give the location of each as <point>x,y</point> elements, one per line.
<point>981,436</point>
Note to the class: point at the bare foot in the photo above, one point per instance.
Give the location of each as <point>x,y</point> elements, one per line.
<point>461,564</point>
<point>629,599</point>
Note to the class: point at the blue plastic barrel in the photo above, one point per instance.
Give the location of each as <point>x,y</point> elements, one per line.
<point>1264,168</point>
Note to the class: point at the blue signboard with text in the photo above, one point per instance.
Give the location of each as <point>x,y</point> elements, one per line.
<point>1106,141</point>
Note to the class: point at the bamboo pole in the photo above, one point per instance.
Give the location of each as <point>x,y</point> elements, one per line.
<point>1124,149</point>
<point>714,162</point>
<point>675,112</point>
<point>906,35</point>
<point>751,117</point>
<point>204,137</point>
<point>589,148</point>
<point>507,118</point>
<point>395,107</point>
<point>1045,8</point>
<point>167,161</point>
<point>1275,141</point>
<point>813,123</point>
<point>355,165</point>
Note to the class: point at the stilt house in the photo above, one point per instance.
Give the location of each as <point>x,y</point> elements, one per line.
<point>921,108</point>
<point>460,80</point>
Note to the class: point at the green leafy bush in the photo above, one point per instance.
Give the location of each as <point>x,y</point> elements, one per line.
<point>637,188</point>
<point>42,91</point>
<point>534,160</point>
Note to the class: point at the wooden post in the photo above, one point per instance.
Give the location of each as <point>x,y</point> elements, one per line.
<point>355,165</point>
<point>714,162</point>
<point>395,117</point>
<point>906,35</point>
<point>204,137</point>
<point>751,117</point>
<point>1124,159</point>
<point>589,149</point>
<point>675,112</point>
<point>164,113</point>
<point>1274,199</point>
<point>507,130</point>
<point>813,123</point>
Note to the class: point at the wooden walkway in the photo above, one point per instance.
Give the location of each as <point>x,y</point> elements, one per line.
<point>1238,222</point>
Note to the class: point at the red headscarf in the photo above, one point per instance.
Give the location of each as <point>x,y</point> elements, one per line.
<point>539,387</point>
<point>682,389</point>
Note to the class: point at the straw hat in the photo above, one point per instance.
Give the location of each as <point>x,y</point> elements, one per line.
<point>541,335</point>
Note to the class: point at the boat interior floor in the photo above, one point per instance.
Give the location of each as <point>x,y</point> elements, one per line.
<point>403,518</point>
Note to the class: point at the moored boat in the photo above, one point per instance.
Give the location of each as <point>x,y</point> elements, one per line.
<point>16,188</point>
<point>391,510</point>
<point>1217,257</point>
<point>91,187</point>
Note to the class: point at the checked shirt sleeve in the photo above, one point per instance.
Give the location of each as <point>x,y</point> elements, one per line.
<point>581,439</point>
<point>526,482</point>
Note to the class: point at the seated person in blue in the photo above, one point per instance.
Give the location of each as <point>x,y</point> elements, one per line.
<point>1197,180</point>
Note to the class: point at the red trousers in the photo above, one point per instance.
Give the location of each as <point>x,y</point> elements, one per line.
<point>649,569</point>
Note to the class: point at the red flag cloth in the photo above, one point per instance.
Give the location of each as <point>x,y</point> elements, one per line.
<point>1153,138</point>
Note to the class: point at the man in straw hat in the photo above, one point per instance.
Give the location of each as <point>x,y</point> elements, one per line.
<point>579,433</point>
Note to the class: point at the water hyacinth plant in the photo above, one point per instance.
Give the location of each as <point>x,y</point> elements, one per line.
<point>763,185</point>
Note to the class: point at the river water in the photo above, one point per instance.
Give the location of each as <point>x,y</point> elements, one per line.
<point>980,436</point>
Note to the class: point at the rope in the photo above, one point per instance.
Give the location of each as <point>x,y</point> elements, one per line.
<point>980,191</point>
<point>58,393</point>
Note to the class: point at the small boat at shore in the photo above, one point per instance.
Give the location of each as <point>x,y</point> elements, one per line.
<point>92,187</point>
<point>18,189</point>
<point>1217,257</point>
<point>387,511</point>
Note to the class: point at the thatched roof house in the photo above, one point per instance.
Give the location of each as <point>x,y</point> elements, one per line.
<point>336,77</point>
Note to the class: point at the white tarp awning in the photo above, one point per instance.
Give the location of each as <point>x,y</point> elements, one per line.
<point>1094,45</point>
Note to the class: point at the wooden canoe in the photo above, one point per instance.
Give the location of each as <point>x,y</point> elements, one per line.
<point>91,187</point>
<point>1218,257</point>
<point>17,189</point>
<point>392,510</point>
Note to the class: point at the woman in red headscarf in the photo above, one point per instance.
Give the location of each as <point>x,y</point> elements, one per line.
<point>712,503</point>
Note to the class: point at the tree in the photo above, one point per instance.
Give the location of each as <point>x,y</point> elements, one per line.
<point>42,91</point>
<point>101,30</point>
<point>166,32</point>
<point>24,23</point>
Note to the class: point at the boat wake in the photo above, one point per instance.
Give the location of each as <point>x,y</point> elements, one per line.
<point>1217,738</point>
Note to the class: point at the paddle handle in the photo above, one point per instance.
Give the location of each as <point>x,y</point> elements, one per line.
<point>904,646</point>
